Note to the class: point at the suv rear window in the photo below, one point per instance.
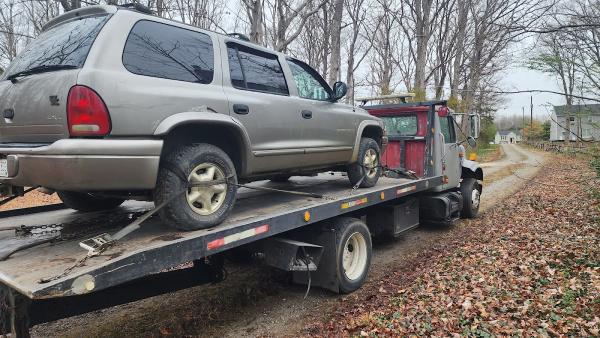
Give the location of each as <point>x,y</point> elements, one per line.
<point>169,52</point>
<point>67,44</point>
<point>255,70</point>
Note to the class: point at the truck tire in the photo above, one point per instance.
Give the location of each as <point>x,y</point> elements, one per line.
<point>470,189</point>
<point>82,201</point>
<point>368,164</point>
<point>197,207</point>
<point>353,253</point>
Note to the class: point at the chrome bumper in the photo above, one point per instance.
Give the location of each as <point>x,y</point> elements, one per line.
<point>84,164</point>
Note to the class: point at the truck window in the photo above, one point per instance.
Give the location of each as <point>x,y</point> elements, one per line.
<point>169,52</point>
<point>255,70</point>
<point>406,125</point>
<point>310,84</point>
<point>447,128</point>
<point>67,44</point>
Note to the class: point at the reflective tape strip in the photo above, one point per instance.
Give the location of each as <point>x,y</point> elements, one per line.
<point>217,243</point>
<point>407,189</point>
<point>354,203</point>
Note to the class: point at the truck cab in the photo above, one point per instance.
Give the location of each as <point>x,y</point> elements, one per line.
<point>410,126</point>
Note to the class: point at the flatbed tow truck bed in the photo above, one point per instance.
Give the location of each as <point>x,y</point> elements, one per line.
<point>45,282</point>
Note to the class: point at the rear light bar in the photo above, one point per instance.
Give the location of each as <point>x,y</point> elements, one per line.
<point>87,114</point>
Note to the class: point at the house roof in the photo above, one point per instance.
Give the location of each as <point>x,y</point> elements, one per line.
<point>592,109</point>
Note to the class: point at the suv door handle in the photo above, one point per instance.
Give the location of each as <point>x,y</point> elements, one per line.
<point>241,109</point>
<point>307,114</point>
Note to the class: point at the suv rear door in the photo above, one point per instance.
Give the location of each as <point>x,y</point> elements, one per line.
<point>34,88</point>
<point>259,98</point>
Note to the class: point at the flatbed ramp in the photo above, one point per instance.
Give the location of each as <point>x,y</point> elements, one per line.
<point>47,271</point>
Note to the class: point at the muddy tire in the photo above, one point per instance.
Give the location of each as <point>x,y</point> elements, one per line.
<point>198,207</point>
<point>353,253</point>
<point>82,201</point>
<point>471,192</point>
<point>368,164</point>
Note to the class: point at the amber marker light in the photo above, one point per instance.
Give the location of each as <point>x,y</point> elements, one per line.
<point>306,216</point>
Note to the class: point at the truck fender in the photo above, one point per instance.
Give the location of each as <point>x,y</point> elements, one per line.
<point>361,128</point>
<point>471,169</point>
<point>207,116</point>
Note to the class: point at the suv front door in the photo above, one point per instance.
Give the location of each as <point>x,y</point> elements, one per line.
<point>259,98</point>
<point>329,128</point>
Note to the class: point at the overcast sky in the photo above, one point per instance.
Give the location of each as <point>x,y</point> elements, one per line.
<point>520,78</point>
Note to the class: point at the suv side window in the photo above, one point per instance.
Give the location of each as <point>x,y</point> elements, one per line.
<point>447,128</point>
<point>169,52</point>
<point>255,70</point>
<point>310,84</point>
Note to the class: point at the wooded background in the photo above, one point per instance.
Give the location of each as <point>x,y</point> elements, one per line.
<point>452,49</point>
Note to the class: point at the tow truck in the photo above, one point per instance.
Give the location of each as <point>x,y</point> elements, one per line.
<point>56,263</point>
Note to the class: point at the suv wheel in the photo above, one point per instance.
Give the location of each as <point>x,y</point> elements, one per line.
<point>368,165</point>
<point>197,207</point>
<point>83,201</point>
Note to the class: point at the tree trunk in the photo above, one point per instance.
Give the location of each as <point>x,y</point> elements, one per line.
<point>336,31</point>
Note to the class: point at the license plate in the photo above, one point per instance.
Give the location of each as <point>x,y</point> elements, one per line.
<point>3,168</point>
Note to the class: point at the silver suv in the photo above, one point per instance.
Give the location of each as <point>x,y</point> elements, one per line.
<point>109,104</point>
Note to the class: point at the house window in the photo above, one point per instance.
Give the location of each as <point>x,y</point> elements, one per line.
<point>586,133</point>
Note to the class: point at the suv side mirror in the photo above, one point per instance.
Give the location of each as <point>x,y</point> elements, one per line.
<point>339,90</point>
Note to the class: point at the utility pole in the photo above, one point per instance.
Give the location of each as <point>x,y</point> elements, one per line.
<point>523,123</point>
<point>531,122</point>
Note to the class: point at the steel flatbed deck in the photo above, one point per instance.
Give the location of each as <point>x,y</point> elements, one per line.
<point>156,247</point>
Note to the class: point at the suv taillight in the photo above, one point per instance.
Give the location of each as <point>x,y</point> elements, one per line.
<point>86,113</point>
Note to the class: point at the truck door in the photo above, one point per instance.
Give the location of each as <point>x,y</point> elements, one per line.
<point>451,168</point>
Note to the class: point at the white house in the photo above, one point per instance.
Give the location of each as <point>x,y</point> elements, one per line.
<point>507,136</point>
<point>584,121</point>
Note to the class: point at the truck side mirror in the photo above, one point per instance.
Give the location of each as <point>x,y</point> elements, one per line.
<point>475,123</point>
<point>471,141</point>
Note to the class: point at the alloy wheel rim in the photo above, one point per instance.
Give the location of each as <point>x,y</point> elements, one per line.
<point>371,162</point>
<point>354,257</point>
<point>206,200</point>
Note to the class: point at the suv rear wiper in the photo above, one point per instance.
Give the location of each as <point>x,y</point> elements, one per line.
<point>38,69</point>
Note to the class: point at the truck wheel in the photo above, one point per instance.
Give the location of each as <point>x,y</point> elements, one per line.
<point>82,201</point>
<point>353,253</point>
<point>202,206</point>
<point>368,165</point>
<point>471,192</point>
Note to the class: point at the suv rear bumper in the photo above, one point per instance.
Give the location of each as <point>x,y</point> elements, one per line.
<point>85,164</point>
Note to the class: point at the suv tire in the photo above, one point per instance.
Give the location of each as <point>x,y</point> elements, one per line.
<point>197,207</point>
<point>82,201</point>
<point>368,156</point>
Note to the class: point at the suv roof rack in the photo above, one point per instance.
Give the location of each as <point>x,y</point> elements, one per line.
<point>401,96</point>
<point>239,36</point>
<point>137,7</point>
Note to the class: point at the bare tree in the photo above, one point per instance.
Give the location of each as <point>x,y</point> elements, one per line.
<point>335,60</point>
<point>383,67</point>
<point>360,40</point>
<point>256,18</point>
<point>8,29</point>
